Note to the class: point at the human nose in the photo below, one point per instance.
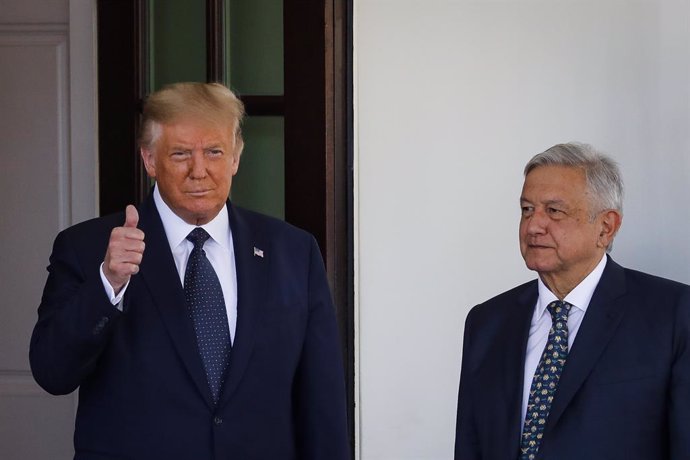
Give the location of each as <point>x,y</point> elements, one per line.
<point>198,166</point>
<point>536,223</point>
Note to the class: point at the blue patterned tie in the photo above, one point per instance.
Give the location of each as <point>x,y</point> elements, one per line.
<point>206,307</point>
<point>545,380</point>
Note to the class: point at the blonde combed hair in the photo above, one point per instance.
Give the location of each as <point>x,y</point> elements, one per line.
<point>212,102</point>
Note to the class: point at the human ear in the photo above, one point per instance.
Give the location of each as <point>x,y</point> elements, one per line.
<point>149,159</point>
<point>235,163</point>
<point>609,222</point>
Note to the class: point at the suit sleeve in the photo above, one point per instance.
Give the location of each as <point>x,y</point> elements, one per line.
<point>679,410</point>
<point>75,319</point>
<point>320,404</point>
<point>466,442</point>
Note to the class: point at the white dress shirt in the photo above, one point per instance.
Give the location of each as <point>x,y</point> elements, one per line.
<point>541,323</point>
<point>219,251</point>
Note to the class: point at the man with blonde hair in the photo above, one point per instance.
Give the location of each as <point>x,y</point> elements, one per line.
<point>589,361</point>
<point>194,329</point>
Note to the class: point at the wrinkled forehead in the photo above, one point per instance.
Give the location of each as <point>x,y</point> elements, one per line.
<point>552,176</point>
<point>555,183</point>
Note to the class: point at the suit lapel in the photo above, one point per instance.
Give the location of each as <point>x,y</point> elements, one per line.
<point>158,272</point>
<point>516,333</point>
<point>603,316</point>
<point>252,256</point>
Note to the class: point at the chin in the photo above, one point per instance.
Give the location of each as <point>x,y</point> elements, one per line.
<point>538,265</point>
<point>205,213</point>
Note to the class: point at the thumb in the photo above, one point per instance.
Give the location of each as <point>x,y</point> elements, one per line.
<point>131,216</point>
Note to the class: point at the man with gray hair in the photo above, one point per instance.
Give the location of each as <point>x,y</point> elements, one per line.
<point>589,361</point>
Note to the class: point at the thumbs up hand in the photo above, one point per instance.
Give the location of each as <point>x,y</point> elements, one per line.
<point>125,251</point>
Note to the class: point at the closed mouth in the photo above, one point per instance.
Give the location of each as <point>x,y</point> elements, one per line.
<point>197,192</point>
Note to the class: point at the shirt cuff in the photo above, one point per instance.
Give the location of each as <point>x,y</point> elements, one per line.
<point>116,300</point>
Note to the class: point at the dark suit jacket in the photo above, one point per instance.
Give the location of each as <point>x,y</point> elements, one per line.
<point>142,388</point>
<point>624,393</point>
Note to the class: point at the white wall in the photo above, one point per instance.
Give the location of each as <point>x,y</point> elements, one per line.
<point>451,99</point>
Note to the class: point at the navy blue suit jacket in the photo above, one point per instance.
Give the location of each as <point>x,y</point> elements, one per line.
<point>142,388</point>
<point>624,393</point>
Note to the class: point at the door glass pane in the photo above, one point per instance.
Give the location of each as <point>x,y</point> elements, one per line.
<point>177,41</point>
<point>260,181</point>
<point>254,31</point>
<point>254,44</point>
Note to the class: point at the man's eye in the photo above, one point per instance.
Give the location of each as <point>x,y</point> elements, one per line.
<point>554,211</point>
<point>216,152</point>
<point>527,210</point>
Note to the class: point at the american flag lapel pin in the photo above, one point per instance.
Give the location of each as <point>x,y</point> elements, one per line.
<point>258,252</point>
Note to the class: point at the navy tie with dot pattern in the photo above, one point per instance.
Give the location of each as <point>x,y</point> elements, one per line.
<point>206,308</point>
<point>545,380</point>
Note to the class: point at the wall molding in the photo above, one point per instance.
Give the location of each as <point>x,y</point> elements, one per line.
<point>55,36</point>
<point>83,105</point>
<point>19,383</point>
<point>35,28</point>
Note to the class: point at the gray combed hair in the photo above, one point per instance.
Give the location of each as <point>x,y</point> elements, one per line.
<point>602,175</point>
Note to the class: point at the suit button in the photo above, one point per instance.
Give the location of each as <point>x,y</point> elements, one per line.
<point>101,324</point>
<point>217,420</point>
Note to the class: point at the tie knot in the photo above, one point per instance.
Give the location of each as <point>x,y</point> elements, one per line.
<point>198,237</point>
<point>559,310</point>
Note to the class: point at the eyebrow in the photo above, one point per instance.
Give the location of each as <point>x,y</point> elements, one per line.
<point>215,145</point>
<point>545,203</point>
<point>558,202</point>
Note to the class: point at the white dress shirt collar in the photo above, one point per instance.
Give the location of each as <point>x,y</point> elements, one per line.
<point>579,297</point>
<point>177,229</point>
